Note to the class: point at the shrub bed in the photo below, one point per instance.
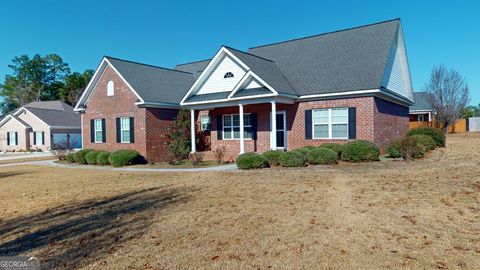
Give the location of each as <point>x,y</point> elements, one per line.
<point>121,158</point>
<point>360,151</point>
<point>410,148</point>
<point>102,158</point>
<point>320,156</point>
<point>247,161</point>
<point>427,141</point>
<point>436,134</point>
<point>273,157</point>
<point>70,158</point>
<point>305,150</point>
<point>80,156</point>
<point>392,149</point>
<point>335,147</point>
<point>91,157</point>
<point>292,159</point>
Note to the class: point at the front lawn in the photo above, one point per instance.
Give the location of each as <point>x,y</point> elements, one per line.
<point>420,214</point>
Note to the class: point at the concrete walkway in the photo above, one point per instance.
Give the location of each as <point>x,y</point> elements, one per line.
<point>18,155</point>
<point>52,163</point>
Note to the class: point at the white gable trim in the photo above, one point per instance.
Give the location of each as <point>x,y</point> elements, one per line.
<point>23,108</point>
<point>250,74</point>
<point>8,117</point>
<point>89,89</point>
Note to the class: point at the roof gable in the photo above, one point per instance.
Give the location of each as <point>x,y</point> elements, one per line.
<point>421,102</point>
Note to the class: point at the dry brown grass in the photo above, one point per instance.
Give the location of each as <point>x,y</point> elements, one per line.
<point>28,159</point>
<point>414,215</point>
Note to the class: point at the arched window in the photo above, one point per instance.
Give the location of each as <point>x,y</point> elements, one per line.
<point>228,75</point>
<point>110,88</point>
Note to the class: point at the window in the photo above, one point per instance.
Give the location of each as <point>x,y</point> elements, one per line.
<point>420,118</point>
<point>205,123</point>
<point>228,75</point>
<point>330,123</point>
<point>11,138</point>
<point>38,138</point>
<point>125,129</point>
<point>98,131</point>
<point>231,126</point>
<point>110,88</point>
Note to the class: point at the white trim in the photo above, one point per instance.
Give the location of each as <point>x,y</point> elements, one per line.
<point>89,84</point>
<point>93,88</point>
<point>242,128</point>
<point>232,127</point>
<point>95,130</point>
<point>208,123</point>
<point>274,142</point>
<point>158,105</point>
<point>369,91</point>
<point>273,124</point>
<point>125,81</point>
<point>81,128</point>
<point>110,88</point>
<point>66,127</point>
<point>251,74</point>
<point>11,117</point>
<point>329,124</point>
<point>122,130</point>
<point>24,108</point>
<point>419,111</point>
<point>192,132</point>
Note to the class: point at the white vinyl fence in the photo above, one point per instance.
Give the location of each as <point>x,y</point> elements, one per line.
<point>473,124</point>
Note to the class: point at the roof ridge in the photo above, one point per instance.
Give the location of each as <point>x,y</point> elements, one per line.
<point>188,63</point>
<point>148,65</point>
<point>36,108</point>
<point>326,33</point>
<point>247,53</point>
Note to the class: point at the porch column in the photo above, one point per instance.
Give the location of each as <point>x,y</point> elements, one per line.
<point>192,130</point>
<point>273,143</point>
<point>242,133</point>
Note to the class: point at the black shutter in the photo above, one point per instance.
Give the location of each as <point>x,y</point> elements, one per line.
<point>43,137</point>
<point>132,133</point>
<point>16,138</point>
<point>254,125</point>
<point>104,132</point>
<point>92,130</point>
<point>117,126</point>
<point>219,127</point>
<point>34,138</point>
<point>308,124</point>
<point>352,123</point>
<point>8,138</point>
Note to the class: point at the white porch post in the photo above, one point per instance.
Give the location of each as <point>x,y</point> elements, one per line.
<point>242,133</point>
<point>273,144</point>
<point>192,130</point>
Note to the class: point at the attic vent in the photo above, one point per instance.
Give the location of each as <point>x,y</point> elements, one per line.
<point>228,75</point>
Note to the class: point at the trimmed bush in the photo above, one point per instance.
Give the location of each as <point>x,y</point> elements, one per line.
<point>436,134</point>
<point>248,161</point>
<point>102,158</point>
<point>273,157</point>
<point>305,150</point>
<point>335,147</point>
<point>427,141</point>
<point>392,149</point>
<point>292,159</point>
<point>121,158</point>
<point>70,158</point>
<point>360,151</point>
<point>320,156</point>
<point>91,157</point>
<point>410,148</point>
<point>80,156</point>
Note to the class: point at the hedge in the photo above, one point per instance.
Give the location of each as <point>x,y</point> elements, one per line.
<point>360,151</point>
<point>426,141</point>
<point>335,147</point>
<point>437,135</point>
<point>70,158</point>
<point>410,148</point>
<point>322,156</point>
<point>121,158</point>
<point>273,157</point>
<point>80,156</point>
<point>305,150</point>
<point>392,149</point>
<point>292,159</point>
<point>247,161</point>
<point>91,157</point>
<point>102,158</point>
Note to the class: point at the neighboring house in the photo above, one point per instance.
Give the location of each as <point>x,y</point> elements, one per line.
<point>421,113</point>
<point>40,125</point>
<point>334,87</point>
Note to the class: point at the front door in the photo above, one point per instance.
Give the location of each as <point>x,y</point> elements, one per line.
<point>281,131</point>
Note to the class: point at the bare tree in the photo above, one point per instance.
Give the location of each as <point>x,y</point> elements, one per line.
<point>448,95</point>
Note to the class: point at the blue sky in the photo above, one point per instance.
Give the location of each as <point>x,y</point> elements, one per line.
<point>164,34</point>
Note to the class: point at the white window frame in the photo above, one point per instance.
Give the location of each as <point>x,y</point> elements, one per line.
<point>110,88</point>
<point>38,142</point>
<point>122,129</point>
<point>330,124</point>
<point>232,127</point>
<point>12,134</point>
<point>208,123</point>
<point>98,130</point>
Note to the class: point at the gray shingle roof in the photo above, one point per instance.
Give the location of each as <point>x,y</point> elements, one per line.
<point>195,68</point>
<point>21,121</point>
<point>346,60</point>
<point>421,102</point>
<point>154,84</point>
<point>252,92</point>
<point>54,113</point>
<point>206,97</point>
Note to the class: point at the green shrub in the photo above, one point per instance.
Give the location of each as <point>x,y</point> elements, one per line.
<point>247,161</point>
<point>335,147</point>
<point>121,158</point>
<point>102,158</point>
<point>426,141</point>
<point>305,150</point>
<point>273,157</point>
<point>70,158</point>
<point>360,151</point>
<point>80,156</point>
<point>292,159</point>
<point>436,134</point>
<point>91,157</point>
<point>322,156</point>
<point>392,149</point>
<point>410,148</point>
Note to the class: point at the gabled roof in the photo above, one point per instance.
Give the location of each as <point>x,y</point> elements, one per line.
<point>421,102</point>
<point>195,68</point>
<point>340,61</point>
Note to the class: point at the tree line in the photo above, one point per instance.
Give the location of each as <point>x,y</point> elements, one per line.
<point>41,78</point>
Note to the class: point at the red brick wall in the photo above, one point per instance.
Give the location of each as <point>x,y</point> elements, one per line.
<point>391,122</point>
<point>158,122</point>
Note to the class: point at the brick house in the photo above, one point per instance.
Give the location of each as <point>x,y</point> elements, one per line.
<point>421,113</point>
<point>333,87</point>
